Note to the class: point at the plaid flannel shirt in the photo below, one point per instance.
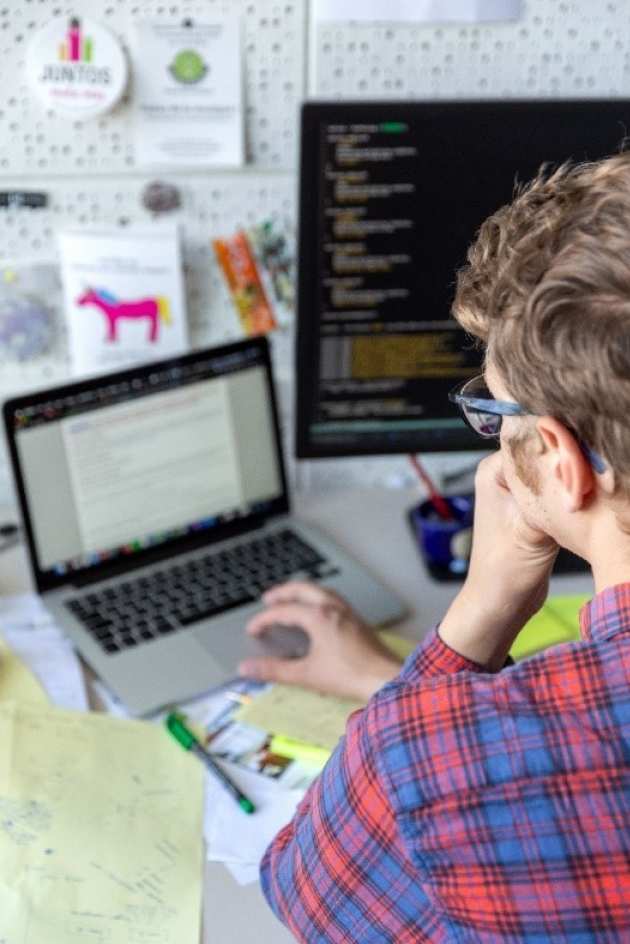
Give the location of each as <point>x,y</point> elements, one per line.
<point>466,806</point>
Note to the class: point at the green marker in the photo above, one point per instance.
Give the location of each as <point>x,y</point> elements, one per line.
<point>176,724</point>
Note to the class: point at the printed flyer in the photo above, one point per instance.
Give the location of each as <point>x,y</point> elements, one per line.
<point>124,297</point>
<point>188,93</point>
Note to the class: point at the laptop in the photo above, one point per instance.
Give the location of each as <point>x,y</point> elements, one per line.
<point>156,511</point>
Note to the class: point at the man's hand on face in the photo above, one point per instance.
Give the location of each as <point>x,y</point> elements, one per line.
<point>508,575</point>
<point>345,657</point>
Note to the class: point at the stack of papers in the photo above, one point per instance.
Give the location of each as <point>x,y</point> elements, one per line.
<point>236,723</point>
<point>17,682</point>
<point>275,785</point>
<point>28,629</point>
<point>100,830</point>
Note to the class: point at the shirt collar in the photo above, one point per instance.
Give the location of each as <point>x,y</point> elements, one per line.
<point>607,614</point>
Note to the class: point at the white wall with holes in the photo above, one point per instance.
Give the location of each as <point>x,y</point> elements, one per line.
<point>573,48</point>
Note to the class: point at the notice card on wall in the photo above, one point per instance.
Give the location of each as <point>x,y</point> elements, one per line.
<point>124,297</point>
<point>415,11</point>
<point>188,92</point>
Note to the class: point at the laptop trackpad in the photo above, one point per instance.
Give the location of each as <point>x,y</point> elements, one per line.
<point>225,639</point>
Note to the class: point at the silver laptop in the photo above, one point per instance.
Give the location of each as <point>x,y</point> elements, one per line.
<point>155,510</point>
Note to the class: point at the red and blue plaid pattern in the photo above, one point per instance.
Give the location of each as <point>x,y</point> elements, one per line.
<point>464,806</point>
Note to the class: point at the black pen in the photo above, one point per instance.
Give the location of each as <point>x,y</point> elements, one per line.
<point>176,724</point>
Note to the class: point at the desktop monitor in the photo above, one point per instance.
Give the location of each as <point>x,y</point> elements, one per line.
<point>391,196</point>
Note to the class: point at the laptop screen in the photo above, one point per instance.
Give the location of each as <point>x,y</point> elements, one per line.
<point>123,464</point>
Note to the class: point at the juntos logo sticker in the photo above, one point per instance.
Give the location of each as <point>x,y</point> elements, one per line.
<point>77,67</point>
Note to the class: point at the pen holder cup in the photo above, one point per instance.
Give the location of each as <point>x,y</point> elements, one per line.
<point>444,545</point>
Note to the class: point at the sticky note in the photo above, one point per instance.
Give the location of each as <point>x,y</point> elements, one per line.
<point>556,622</point>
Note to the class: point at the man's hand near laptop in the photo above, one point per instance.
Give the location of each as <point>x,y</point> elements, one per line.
<point>507,583</point>
<point>345,656</point>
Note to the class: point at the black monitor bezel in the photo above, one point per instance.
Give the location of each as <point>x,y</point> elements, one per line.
<point>45,580</point>
<point>313,113</point>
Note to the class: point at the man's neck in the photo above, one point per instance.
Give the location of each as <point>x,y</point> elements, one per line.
<point>611,567</point>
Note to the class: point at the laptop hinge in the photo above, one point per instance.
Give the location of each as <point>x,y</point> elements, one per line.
<point>128,564</point>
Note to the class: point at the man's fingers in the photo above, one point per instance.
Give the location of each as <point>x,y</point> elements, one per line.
<point>288,614</point>
<point>285,671</point>
<point>303,591</point>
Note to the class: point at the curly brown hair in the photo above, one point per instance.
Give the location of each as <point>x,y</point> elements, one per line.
<point>547,289</point>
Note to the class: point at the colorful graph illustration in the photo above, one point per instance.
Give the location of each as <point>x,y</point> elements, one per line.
<point>77,47</point>
<point>156,310</point>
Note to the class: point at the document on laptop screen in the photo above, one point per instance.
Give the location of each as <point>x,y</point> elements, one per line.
<point>150,465</point>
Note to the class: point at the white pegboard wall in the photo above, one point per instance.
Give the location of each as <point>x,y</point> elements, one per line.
<point>576,48</point>
<point>35,141</point>
<point>564,48</point>
<point>209,209</point>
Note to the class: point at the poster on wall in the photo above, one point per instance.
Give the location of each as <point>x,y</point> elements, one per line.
<point>188,93</point>
<point>76,67</point>
<point>124,297</point>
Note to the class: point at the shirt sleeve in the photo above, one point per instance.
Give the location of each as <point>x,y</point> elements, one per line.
<point>340,871</point>
<point>433,657</point>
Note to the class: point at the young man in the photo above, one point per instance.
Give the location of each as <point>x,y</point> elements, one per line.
<point>472,800</point>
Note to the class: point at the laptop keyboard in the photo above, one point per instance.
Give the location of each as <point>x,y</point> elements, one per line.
<point>172,598</point>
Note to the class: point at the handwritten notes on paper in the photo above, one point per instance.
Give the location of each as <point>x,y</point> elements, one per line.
<point>100,831</point>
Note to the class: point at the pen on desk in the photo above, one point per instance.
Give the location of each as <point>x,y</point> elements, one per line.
<point>177,726</point>
<point>438,501</point>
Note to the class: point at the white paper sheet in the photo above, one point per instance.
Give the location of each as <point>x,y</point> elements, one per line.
<point>29,630</point>
<point>231,835</point>
<point>415,11</point>
<point>243,874</point>
<point>188,98</point>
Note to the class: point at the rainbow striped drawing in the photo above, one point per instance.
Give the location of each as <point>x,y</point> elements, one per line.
<point>77,47</point>
<point>155,309</point>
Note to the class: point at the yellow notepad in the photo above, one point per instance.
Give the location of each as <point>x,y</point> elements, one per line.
<point>296,713</point>
<point>400,646</point>
<point>318,720</point>
<point>17,683</point>
<point>100,830</point>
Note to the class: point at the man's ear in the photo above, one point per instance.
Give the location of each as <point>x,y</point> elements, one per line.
<point>570,467</point>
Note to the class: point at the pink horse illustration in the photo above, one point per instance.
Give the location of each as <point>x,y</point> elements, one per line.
<point>155,309</point>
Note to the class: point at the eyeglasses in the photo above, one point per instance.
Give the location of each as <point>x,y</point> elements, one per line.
<point>485,415</point>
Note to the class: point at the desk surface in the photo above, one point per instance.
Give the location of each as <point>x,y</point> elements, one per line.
<point>371,524</point>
